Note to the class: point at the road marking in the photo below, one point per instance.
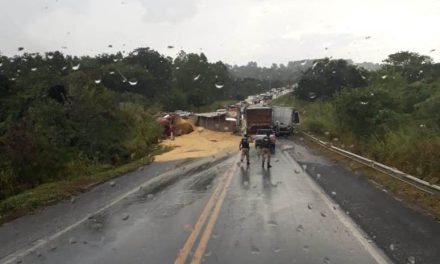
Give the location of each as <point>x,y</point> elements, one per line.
<point>376,253</point>
<point>197,258</point>
<point>12,258</point>
<point>184,252</point>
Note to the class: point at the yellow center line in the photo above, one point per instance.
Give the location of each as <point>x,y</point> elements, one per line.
<point>197,258</point>
<point>184,252</point>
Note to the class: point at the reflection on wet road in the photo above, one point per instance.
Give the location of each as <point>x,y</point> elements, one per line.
<point>228,213</point>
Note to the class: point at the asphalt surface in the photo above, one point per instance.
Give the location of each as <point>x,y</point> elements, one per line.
<point>229,213</point>
<point>406,235</point>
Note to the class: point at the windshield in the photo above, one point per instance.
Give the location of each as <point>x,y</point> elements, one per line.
<point>121,127</point>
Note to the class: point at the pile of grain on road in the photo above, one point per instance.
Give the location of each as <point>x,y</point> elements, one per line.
<point>183,127</point>
<point>201,143</point>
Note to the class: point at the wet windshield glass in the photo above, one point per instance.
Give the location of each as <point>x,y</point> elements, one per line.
<point>133,131</point>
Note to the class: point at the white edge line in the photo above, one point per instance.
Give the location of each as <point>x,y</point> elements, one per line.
<point>378,255</point>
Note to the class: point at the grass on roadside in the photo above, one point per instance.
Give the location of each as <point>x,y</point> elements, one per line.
<point>412,197</point>
<point>49,193</point>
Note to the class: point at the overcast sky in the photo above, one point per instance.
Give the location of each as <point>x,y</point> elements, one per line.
<point>234,31</point>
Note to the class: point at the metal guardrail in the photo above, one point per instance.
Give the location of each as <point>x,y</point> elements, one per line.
<point>393,172</point>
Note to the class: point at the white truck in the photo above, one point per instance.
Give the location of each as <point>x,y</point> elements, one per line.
<point>283,119</point>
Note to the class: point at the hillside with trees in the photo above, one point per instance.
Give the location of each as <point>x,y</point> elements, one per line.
<point>390,115</point>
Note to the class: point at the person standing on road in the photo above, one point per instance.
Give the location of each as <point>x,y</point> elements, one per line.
<point>244,147</point>
<point>265,148</point>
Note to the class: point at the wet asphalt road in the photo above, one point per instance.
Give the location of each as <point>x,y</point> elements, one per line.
<point>224,214</point>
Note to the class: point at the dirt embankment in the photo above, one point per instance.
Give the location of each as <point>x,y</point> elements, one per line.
<point>200,143</point>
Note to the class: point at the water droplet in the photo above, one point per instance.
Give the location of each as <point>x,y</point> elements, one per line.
<point>49,56</point>
<point>72,199</point>
<point>246,183</point>
<point>110,46</point>
<point>422,125</point>
<point>432,50</point>
<point>323,214</point>
<point>64,47</point>
<point>318,176</point>
<point>314,65</point>
<point>277,250</point>
<point>1,64</point>
<point>255,250</point>
<point>392,247</point>
<point>111,72</point>
<point>20,48</point>
<point>304,166</point>
<point>215,235</point>
<point>33,69</point>
<point>125,217</point>
<point>364,103</point>
<point>334,193</point>
<point>219,86</point>
<point>170,47</point>
<point>327,133</point>
<point>150,196</point>
<point>306,248</point>
<point>299,228</point>
<point>75,67</point>
<point>197,77</point>
<point>72,240</point>
<point>133,82</point>
<point>272,223</point>
<point>363,77</point>
<point>112,183</point>
<point>326,260</point>
<point>411,260</point>
<point>209,253</point>
<point>367,37</point>
<point>309,206</point>
<point>384,77</point>
<point>98,81</point>
<point>312,95</point>
<point>421,71</point>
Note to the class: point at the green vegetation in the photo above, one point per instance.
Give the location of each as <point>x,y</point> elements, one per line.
<point>390,115</point>
<point>65,119</point>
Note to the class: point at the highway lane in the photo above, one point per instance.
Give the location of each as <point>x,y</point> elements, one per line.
<point>228,213</point>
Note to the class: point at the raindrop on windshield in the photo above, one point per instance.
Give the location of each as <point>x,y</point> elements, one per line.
<point>72,240</point>
<point>219,86</point>
<point>432,50</point>
<point>306,248</point>
<point>209,253</point>
<point>112,183</point>
<point>170,47</point>
<point>299,228</point>
<point>297,171</point>
<point>197,77</point>
<point>314,65</point>
<point>309,206</point>
<point>272,223</point>
<point>367,37</point>
<point>303,63</point>
<point>133,82</point>
<point>255,250</point>
<point>49,56</point>
<point>312,95</point>
<point>1,64</point>
<point>421,71</point>
<point>364,103</point>
<point>384,77</point>
<point>64,47</point>
<point>75,67</point>
<point>326,260</point>
<point>304,167</point>
<point>33,69</point>
<point>392,247</point>
<point>125,217</point>
<point>422,125</point>
<point>323,214</point>
<point>110,46</point>
<point>333,193</point>
<point>111,72</point>
<point>20,48</point>
<point>277,250</point>
<point>363,77</point>
<point>98,81</point>
<point>411,260</point>
<point>115,60</point>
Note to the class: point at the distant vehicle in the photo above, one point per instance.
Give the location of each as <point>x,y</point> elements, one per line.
<point>284,119</point>
<point>258,118</point>
<point>261,133</point>
<point>183,114</point>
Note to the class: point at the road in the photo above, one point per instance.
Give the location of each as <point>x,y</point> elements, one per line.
<point>230,213</point>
